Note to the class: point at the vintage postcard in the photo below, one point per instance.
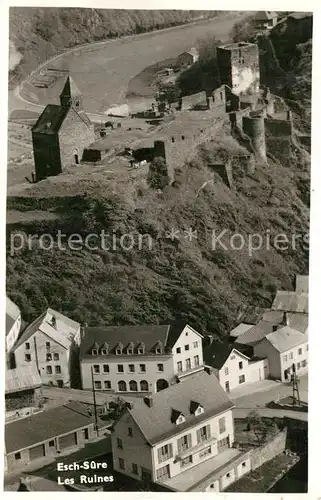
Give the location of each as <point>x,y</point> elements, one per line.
<point>157,252</point>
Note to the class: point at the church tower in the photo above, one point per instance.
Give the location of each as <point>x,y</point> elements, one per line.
<point>71,95</point>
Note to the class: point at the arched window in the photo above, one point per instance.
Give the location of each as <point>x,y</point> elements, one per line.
<point>122,386</point>
<point>144,386</point>
<point>133,385</point>
<point>48,357</point>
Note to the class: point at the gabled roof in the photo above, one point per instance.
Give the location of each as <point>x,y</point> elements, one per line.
<point>128,335</point>
<point>256,333</point>
<point>302,283</point>
<point>48,424</point>
<point>12,310</point>
<point>286,338</point>
<point>63,333</point>
<point>21,379</point>
<point>239,329</point>
<point>298,321</point>
<point>291,302</point>
<point>217,353</point>
<point>275,317</point>
<point>155,422</point>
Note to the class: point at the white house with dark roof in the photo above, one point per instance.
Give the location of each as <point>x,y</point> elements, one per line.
<point>285,348</point>
<point>49,343</point>
<point>181,437</point>
<point>138,358</point>
<point>13,323</point>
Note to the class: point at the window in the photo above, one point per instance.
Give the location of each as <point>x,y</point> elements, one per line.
<point>222,425</point>
<point>120,368</point>
<point>300,351</point>
<point>122,387</point>
<point>27,345</point>
<point>196,360</point>
<point>56,356</point>
<point>186,333</point>
<point>106,368</point>
<point>285,358</point>
<point>77,103</point>
<point>94,352</point>
<point>241,365</point>
<point>96,369</point>
<point>48,357</point>
<point>243,464</point>
<point>135,469</point>
<point>195,344</point>
<point>130,432</point>
<point>241,379</point>
<point>188,364</point>
<point>118,351</point>
<point>27,357</point>
<point>85,433</point>
<point>142,368</point>
<point>47,346</point>
<point>160,367</point>
<point>298,365</point>
<point>133,385</point>
<point>203,434</point>
<point>121,463</point>
<point>144,386</point>
<point>179,366</point>
<point>162,473</point>
<point>186,347</point>
<point>107,385</point>
<point>184,443</point>
<point>17,456</point>
<point>58,369</point>
<point>205,452</point>
<point>131,368</point>
<point>49,370</point>
<point>140,350</point>
<point>226,370</point>
<point>51,443</point>
<point>104,352</point>
<point>307,347</point>
<point>304,363</point>
<point>178,350</point>
<point>165,452</point>
<point>233,356</point>
<point>119,443</point>
<point>97,384</point>
<point>291,355</point>
<point>228,474</point>
<point>186,461</point>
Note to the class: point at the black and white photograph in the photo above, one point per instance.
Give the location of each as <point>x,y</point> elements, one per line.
<point>157,249</point>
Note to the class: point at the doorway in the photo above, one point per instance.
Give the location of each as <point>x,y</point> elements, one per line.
<point>76,159</point>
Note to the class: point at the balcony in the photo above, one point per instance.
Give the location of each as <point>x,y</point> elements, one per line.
<point>190,371</point>
<point>196,448</point>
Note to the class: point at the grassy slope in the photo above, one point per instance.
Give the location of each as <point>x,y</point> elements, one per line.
<point>37,34</point>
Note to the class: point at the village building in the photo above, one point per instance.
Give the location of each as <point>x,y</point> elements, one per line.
<point>302,283</point>
<point>294,302</point>
<point>286,350</point>
<point>234,365</point>
<point>22,391</point>
<point>138,358</point>
<point>61,133</point>
<point>265,19</point>
<point>188,58</point>
<point>47,434</point>
<point>256,333</point>
<point>13,324</point>
<point>181,438</point>
<point>50,343</point>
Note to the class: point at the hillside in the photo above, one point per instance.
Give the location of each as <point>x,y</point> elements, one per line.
<point>36,34</point>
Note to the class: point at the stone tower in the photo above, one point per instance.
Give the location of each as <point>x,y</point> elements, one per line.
<point>254,127</point>
<point>239,67</point>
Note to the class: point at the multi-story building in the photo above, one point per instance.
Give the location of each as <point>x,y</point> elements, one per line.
<point>286,349</point>
<point>50,343</point>
<point>13,324</point>
<point>233,365</point>
<point>142,358</point>
<point>239,67</point>
<point>179,437</point>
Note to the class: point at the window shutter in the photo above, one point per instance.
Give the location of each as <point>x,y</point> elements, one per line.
<point>170,450</point>
<point>208,431</point>
<point>159,451</point>
<point>179,444</point>
<point>198,436</point>
<point>189,440</point>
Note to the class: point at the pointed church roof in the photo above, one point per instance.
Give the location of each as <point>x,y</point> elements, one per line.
<point>70,88</point>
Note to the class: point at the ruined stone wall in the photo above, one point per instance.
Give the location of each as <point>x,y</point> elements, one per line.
<point>255,129</point>
<point>239,67</point>
<point>279,128</point>
<point>189,101</point>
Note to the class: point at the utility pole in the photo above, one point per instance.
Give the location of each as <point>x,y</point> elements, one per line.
<point>94,396</point>
<point>295,386</point>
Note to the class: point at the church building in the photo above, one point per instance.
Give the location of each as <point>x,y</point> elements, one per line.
<point>61,133</point>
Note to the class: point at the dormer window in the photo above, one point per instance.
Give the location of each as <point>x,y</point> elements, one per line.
<point>141,348</point>
<point>104,349</point>
<point>177,417</point>
<point>119,349</point>
<point>196,408</point>
<point>95,349</point>
<point>159,348</point>
<point>130,348</point>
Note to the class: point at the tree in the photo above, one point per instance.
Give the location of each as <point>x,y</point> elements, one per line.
<point>168,92</point>
<point>261,428</point>
<point>158,174</point>
<point>116,408</point>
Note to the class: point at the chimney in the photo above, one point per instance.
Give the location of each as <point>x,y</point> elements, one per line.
<point>148,401</point>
